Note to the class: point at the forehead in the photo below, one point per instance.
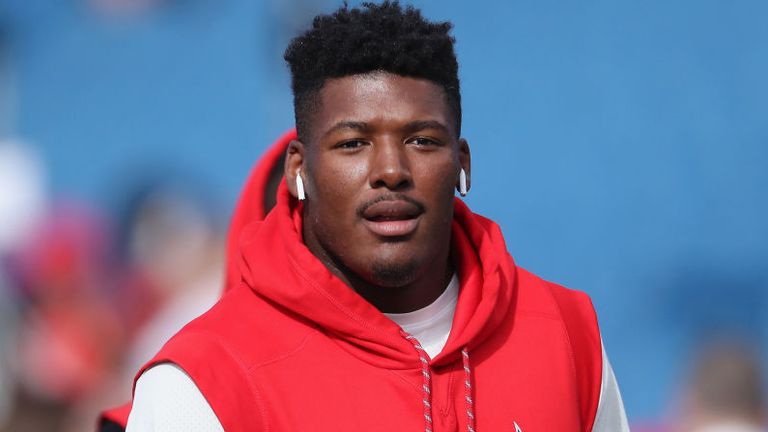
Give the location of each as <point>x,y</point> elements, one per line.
<point>382,100</point>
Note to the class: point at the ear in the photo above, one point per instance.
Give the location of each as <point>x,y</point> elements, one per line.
<point>294,163</point>
<point>465,161</point>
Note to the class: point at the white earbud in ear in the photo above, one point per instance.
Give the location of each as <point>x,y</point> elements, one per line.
<point>462,183</point>
<point>300,187</point>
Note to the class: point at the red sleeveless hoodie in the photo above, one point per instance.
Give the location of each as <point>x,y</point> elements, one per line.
<point>292,348</point>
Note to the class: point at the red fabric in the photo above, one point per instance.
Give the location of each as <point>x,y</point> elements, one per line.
<point>118,416</point>
<point>576,308</point>
<point>249,208</point>
<point>291,347</point>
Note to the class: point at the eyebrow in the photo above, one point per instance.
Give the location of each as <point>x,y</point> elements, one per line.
<point>413,126</point>
<point>418,125</point>
<point>354,125</point>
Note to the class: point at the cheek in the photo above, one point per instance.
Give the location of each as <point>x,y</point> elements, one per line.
<point>333,197</point>
<point>439,178</point>
<point>337,180</point>
<point>438,182</point>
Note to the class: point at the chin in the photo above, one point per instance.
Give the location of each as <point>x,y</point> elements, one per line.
<point>393,274</point>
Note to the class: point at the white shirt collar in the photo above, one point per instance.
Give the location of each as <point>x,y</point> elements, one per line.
<point>431,324</point>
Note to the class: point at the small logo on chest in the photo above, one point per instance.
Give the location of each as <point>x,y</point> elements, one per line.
<point>517,428</point>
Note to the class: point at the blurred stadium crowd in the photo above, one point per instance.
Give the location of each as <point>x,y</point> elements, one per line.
<point>90,291</point>
<point>87,296</point>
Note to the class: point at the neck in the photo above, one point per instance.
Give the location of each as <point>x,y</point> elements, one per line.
<point>406,298</point>
<point>429,282</point>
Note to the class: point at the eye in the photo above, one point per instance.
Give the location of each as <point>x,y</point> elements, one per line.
<point>351,145</point>
<point>424,142</point>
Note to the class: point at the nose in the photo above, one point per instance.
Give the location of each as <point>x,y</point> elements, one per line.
<point>390,166</point>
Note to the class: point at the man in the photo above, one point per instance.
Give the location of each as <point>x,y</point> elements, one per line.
<point>371,298</point>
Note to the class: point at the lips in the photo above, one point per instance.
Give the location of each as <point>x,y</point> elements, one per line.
<point>392,218</point>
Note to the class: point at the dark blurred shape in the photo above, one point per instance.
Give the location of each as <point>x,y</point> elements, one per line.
<point>109,426</point>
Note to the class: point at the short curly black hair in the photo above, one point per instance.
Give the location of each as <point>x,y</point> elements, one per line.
<point>384,37</point>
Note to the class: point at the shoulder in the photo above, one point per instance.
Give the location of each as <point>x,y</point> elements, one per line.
<point>574,311</point>
<point>573,307</point>
<point>219,349</point>
<point>241,326</point>
<point>200,359</point>
<point>166,398</point>
<point>610,416</point>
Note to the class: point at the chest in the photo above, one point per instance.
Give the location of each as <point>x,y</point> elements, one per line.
<point>521,378</point>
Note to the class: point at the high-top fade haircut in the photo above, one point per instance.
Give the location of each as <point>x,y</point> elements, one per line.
<point>374,38</point>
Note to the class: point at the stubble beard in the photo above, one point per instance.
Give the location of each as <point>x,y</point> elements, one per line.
<point>394,274</point>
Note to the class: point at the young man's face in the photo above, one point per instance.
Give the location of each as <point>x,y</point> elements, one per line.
<point>380,172</point>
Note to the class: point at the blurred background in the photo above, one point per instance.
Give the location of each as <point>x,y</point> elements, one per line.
<point>621,145</point>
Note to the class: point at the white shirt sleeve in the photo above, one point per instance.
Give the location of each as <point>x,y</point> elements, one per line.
<point>610,415</point>
<point>167,400</point>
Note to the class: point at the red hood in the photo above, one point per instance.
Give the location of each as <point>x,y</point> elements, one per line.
<point>277,265</point>
<point>250,205</point>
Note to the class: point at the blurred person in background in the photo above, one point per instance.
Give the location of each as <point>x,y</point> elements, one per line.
<point>69,335</point>
<point>256,200</point>
<point>22,206</point>
<point>161,269</point>
<point>77,318</point>
<point>726,391</point>
<point>172,254</point>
